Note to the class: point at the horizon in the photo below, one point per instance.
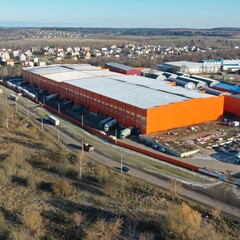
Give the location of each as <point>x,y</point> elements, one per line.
<point>186,14</point>
<point>81,27</point>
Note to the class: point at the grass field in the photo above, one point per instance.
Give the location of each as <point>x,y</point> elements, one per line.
<point>106,40</point>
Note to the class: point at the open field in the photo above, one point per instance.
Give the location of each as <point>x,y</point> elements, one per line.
<point>112,40</point>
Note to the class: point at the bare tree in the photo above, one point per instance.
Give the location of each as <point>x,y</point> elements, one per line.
<point>81,162</point>
<point>175,186</point>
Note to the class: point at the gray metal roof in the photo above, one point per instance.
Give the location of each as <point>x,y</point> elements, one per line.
<point>81,67</point>
<point>184,63</point>
<point>71,75</point>
<point>133,90</point>
<point>140,92</point>
<point>47,69</point>
<point>118,65</point>
<point>65,76</point>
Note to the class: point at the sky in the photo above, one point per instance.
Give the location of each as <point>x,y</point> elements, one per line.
<point>120,13</point>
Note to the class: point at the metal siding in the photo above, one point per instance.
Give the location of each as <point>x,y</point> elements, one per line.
<point>185,113</point>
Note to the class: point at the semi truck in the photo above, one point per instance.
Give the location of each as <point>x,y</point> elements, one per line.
<point>104,121</point>
<point>53,120</point>
<point>110,124</point>
<point>126,132</point>
<point>88,147</point>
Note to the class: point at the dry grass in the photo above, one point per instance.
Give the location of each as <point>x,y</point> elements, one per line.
<point>62,187</point>
<point>32,219</point>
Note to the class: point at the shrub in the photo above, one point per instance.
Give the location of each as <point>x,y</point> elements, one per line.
<point>4,178</point>
<point>62,187</point>
<point>103,230</point>
<point>101,174</point>
<point>32,219</point>
<point>4,230</point>
<point>78,218</point>
<point>21,234</point>
<point>183,222</point>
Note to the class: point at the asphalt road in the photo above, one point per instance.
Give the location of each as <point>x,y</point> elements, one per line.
<point>158,180</point>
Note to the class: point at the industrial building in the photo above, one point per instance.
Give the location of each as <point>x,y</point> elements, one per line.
<point>232,104</point>
<point>190,67</point>
<point>227,87</point>
<point>230,65</point>
<point>150,105</point>
<point>120,68</point>
<point>153,73</point>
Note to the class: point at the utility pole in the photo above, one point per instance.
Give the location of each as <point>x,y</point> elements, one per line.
<point>7,113</point>
<point>121,163</point>
<point>28,114</point>
<point>42,122</point>
<point>116,136</point>
<point>16,105</point>
<point>176,185</point>
<point>80,162</point>
<point>58,132</point>
<point>82,119</point>
<point>59,110</point>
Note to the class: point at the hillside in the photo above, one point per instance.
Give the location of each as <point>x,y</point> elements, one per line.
<point>42,196</point>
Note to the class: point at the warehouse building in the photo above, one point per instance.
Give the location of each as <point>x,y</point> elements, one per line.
<point>153,73</point>
<point>120,68</point>
<point>208,81</point>
<point>197,83</point>
<point>232,104</point>
<point>147,104</point>
<point>189,67</point>
<point>227,87</point>
<point>188,85</point>
<point>230,65</point>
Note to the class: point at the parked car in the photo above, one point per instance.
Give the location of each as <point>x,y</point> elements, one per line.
<point>88,147</point>
<point>125,169</point>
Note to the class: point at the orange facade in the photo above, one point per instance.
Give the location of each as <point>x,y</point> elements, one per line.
<point>232,105</point>
<point>184,113</point>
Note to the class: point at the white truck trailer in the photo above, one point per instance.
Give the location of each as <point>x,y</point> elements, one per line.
<point>53,120</point>
<point>110,124</point>
<point>126,132</point>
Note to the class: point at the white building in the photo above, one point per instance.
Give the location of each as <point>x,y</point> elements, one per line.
<point>190,67</point>
<point>22,58</point>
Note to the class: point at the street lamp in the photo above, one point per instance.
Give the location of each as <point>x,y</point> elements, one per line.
<point>59,110</point>
<point>121,164</point>
<point>82,119</point>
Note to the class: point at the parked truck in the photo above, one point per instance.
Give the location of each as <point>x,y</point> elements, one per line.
<point>53,120</point>
<point>13,97</point>
<point>88,147</point>
<point>104,121</point>
<point>127,132</point>
<point>110,124</point>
